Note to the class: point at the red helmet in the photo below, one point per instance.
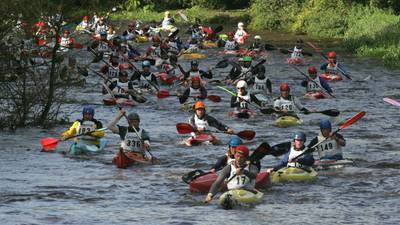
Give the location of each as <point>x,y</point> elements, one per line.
<point>243,149</point>
<point>312,70</point>
<point>332,55</point>
<point>196,78</point>
<point>85,18</point>
<point>284,87</point>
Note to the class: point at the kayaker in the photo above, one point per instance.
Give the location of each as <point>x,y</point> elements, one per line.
<point>295,148</point>
<point>256,45</point>
<point>112,69</point>
<point>261,83</point>
<point>241,34</point>
<point>130,33</point>
<point>84,25</point>
<point>229,156</point>
<point>192,46</point>
<point>100,26</point>
<point>110,33</point>
<point>318,82</point>
<point>331,67</point>
<point>240,174</point>
<point>121,87</point>
<point>168,21</point>
<point>243,71</point>
<point>174,44</point>
<point>243,98</point>
<point>196,89</point>
<point>145,78</point>
<point>87,124</point>
<point>196,72</point>
<point>172,68</point>
<point>297,53</point>
<point>133,138</point>
<point>202,121</point>
<point>102,45</point>
<point>331,149</point>
<point>285,104</point>
<point>231,44</point>
<point>157,51</point>
<point>65,41</point>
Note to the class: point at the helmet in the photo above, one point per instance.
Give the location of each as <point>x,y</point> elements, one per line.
<point>85,18</point>
<point>312,70</point>
<point>332,55</point>
<point>88,110</point>
<point>241,84</point>
<point>199,105</point>
<point>284,87</point>
<point>247,59</point>
<point>194,63</point>
<point>299,135</point>
<point>325,124</point>
<point>235,141</point>
<point>133,116</point>
<point>146,63</point>
<point>196,78</point>
<point>257,37</point>
<point>243,149</point>
<point>240,24</point>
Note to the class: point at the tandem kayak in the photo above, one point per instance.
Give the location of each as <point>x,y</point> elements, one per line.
<point>83,147</point>
<point>293,174</point>
<point>297,61</point>
<point>332,164</point>
<point>123,159</point>
<point>123,101</point>
<point>242,114</point>
<point>315,95</point>
<point>203,183</point>
<point>201,138</point>
<point>189,56</point>
<point>240,197</point>
<point>287,121</point>
<point>331,77</point>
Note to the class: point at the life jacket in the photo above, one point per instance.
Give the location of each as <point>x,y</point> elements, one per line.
<point>84,127</point>
<point>195,92</point>
<point>113,71</point>
<point>103,47</point>
<point>230,45</point>
<point>119,89</point>
<point>313,86</point>
<point>166,23</point>
<point>65,42</point>
<point>100,28</point>
<point>241,36</point>
<point>297,53</point>
<point>243,103</point>
<point>328,148</point>
<point>285,104</point>
<point>293,153</point>
<point>240,181</point>
<point>200,123</point>
<point>332,69</point>
<point>132,143</point>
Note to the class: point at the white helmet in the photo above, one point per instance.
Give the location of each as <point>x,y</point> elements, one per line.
<point>241,84</point>
<point>240,24</point>
<point>257,37</point>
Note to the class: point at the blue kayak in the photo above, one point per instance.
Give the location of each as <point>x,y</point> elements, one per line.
<point>83,147</point>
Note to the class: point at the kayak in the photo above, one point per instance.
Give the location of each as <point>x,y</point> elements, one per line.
<point>239,52</point>
<point>163,77</point>
<point>123,101</point>
<point>210,44</point>
<point>124,159</point>
<point>82,147</point>
<point>315,95</point>
<point>201,138</point>
<point>332,164</point>
<point>141,39</point>
<point>287,121</point>
<point>203,183</point>
<point>240,197</point>
<point>331,77</point>
<point>293,174</point>
<point>193,56</point>
<point>242,114</point>
<point>297,61</point>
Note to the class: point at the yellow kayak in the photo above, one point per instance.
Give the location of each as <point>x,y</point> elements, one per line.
<point>209,44</point>
<point>142,39</point>
<point>287,121</point>
<point>293,174</point>
<point>239,197</point>
<point>193,56</point>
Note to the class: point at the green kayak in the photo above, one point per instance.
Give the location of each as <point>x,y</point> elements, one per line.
<point>287,121</point>
<point>82,147</point>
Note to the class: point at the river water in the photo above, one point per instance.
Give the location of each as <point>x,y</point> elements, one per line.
<point>45,188</point>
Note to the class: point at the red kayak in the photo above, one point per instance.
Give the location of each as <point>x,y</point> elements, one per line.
<point>201,138</point>
<point>165,80</point>
<point>331,77</point>
<point>297,61</point>
<point>242,114</point>
<point>124,159</point>
<point>315,95</point>
<point>203,184</point>
<point>125,102</point>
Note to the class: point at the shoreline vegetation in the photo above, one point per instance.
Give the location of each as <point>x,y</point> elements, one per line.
<point>367,30</point>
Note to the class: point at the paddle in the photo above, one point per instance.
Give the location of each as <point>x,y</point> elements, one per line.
<point>308,78</point>
<point>49,143</point>
<point>251,70</point>
<point>186,128</point>
<point>392,101</point>
<point>218,29</point>
<point>183,16</point>
<point>318,50</point>
<point>346,124</point>
<point>165,94</point>
<point>190,176</point>
<point>284,51</point>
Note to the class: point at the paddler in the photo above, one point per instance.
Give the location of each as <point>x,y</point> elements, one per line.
<point>145,78</point>
<point>202,121</point>
<point>84,25</point>
<point>244,71</point>
<point>174,43</point>
<point>240,174</point>
<point>65,41</point>
<point>256,45</point>
<point>315,82</point>
<point>196,89</point>
<point>133,138</point>
<point>331,149</point>
<point>130,33</point>
<point>100,26</point>
<point>241,34</point>
<point>229,156</point>
<point>87,124</point>
<point>102,45</point>
<point>123,88</point>
<point>243,98</point>
<point>297,53</point>
<point>112,69</point>
<point>167,21</point>
<point>331,67</point>
<point>295,148</point>
<point>285,104</point>
<point>231,44</point>
<point>196,72</point>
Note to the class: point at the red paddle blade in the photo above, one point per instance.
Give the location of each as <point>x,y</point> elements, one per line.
<point>214,98</point>
<point>246,134</point>
<point>49,144</point>
<point>170,81</point>
<point>353,120</point>
<point>163,94</point>
<point>184,128</point>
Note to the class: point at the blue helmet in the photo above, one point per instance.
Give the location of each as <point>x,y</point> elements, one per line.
<point>325,124</point>
<point>235,141</point>
<point>146,63</point>
<point>88,110</point>
<point>299,135</point>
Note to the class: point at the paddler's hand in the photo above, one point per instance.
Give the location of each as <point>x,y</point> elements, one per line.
<point>292,160</point>
<point>213,170</point>
<point>208,198</point>
<point>230,131</point>
<point>62,138</point>
<point>270,170</point>
<point>146,145</point>
<point>238,171</point>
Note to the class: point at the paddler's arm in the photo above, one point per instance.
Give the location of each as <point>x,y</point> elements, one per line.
<point>183,98</point>
<point>98,134</point>
<point>146,140</point>
<point>234,103</point>
<point>203,93</point>
<point>113,125</point>
<point>299,106</point>
<point>324,66</point>
<point>225,172</point>
<point>71,131</point>
<point>254,99</point>
<point>221,163</point>
<point>283,163</point>
<point>325,85</point>
<point>215,123</point>
<point>307,160</point>
<point>204,74</point>
<point>340,139</point>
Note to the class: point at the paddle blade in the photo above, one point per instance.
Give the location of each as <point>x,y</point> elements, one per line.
<point>214,98</point>
<point>184,128</point>
<point>163,94</point>
<point>246,134</point>
<point>222,64</point>
<point>261,151</point>
<point>49,144</point>
<point>188,177</point>
<point>352,120</point>
<point>218,29</point>
<point>331,112</point>
<point>183,16</point>
<point>392,101</point>
<point>82,71</point>
<point>280,149</point>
